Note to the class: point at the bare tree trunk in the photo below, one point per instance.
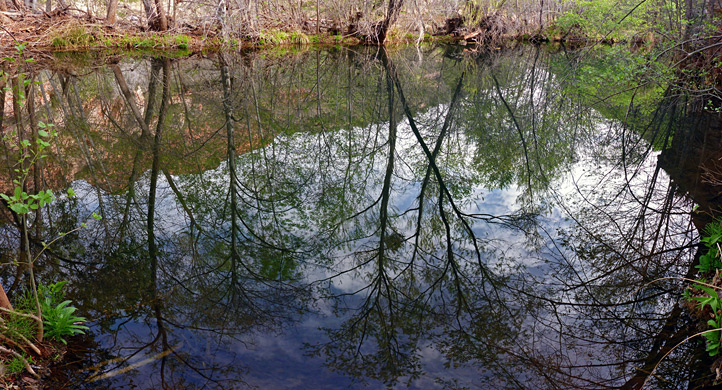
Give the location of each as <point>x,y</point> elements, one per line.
<point>112,10</point>
<point>161,15</point>
<point>3,93</point>
<point>155,14</point>
<point>155,68</point>
<point>149,12</point>
<point>381,29</point>
<point>163,110</point>
<point>233,178</point>
<point>130,100</point>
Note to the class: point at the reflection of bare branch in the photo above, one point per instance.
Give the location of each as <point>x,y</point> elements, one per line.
<point>130,99</point>
<point>437,173</point>
<point>518,128</point>
<point>434,154</point>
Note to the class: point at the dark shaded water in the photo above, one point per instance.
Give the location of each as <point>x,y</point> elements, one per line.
<point>352,218</point>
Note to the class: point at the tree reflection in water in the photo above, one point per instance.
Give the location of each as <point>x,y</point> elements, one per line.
<point>355,217</point>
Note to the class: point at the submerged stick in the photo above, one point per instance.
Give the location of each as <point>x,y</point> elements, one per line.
<point>133,366</point>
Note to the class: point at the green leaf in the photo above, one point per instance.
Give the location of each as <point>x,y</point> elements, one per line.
<point>56,287</point>
<point>703,301</point>
<point>712,292</point>
<point>19,208</point>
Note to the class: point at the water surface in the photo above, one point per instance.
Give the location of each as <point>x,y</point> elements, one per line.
<point>354,218</point>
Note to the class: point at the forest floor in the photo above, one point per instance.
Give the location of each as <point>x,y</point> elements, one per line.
<point>66,32</point>
<point>72,31</point>
<point>75,30</point>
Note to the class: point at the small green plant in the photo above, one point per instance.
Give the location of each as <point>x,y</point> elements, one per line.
<point>711,107</point>
<point>59,43</point>
<point>21,202</point>
<point>60,321</point>
<point>72,37</point>
<point>17,364</point>
<point>52,293</point>
<point>299,38</point>
<point>714,302</point>
<point>182,41</point>
<point>711,237</point>
<point>18,327</point>
<point>58,316</point>
<point>708,263</point>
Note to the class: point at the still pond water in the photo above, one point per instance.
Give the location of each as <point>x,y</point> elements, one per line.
<point>350,218</point>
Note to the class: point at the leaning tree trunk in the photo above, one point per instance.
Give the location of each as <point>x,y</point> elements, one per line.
<point>380,29</point>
